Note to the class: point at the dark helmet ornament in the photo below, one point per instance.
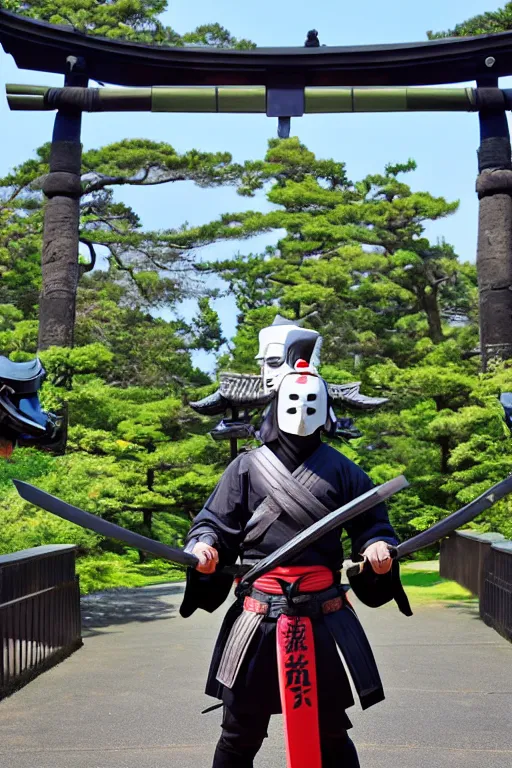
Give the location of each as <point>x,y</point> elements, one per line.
<point>22,420</point>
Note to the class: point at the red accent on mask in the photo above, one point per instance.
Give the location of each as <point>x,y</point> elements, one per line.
<point>301,380</point>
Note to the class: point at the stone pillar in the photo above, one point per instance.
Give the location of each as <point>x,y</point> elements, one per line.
<point>494,256</point>
<point>61,223</point>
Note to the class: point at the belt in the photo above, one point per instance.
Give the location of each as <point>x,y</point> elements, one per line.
<point>312,605</point>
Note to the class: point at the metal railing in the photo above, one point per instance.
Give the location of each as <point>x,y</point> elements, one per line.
<point>483,564</point>
<point>39,612</point>
<point>496,598</point>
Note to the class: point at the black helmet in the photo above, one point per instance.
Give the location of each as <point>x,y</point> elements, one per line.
<point>22,419</point>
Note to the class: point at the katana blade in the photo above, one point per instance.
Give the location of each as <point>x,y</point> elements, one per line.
<point>315,531</point>
<point>285,553</point>
<point>457,519</point>
<point>94,523</point>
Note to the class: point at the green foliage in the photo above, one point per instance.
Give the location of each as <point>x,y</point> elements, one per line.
<point>27,464</point>
<point>208,327</point>
<point>397,313</point>
<point>152,269</point>
<point>354,261</point>
<point>24,526</point>
<point>134,462</point>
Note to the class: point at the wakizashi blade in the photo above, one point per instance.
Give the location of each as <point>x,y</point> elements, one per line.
<point>285,553</point>
<point>314,532</point>
<point>94,523</point>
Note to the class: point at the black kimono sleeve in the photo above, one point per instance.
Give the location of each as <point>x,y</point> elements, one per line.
<point>371,588</point>
<point>220,524</point>
<point>221,521</point>
<point>371,526</point>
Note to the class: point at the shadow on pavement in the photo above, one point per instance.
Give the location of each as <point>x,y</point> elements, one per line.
<point>466,608</point>
<point>121,606</point>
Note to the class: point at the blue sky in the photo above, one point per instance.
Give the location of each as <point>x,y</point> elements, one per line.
<point>444,145</point>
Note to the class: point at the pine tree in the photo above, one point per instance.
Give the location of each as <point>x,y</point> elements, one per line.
<point>483,24</point>
<point>354,261</point>
<point>135,20</point>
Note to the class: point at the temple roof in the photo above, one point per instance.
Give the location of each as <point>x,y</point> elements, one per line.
<point>44,47</point>
<point>245,390</point>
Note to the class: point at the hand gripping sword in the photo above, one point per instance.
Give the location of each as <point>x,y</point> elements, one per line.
<point>289,550</point>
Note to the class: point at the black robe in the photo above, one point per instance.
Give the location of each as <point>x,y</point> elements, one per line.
<point>222,523</point>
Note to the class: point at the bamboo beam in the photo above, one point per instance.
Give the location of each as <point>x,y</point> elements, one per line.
<point>26,102</point>
<point>324,100</point>
<point>31,90</point>
<point>250,99</point>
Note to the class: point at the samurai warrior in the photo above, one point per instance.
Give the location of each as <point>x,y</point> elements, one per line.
<point>277,650</point>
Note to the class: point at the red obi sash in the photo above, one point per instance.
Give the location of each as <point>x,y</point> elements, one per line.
<point>313,578</point>
<point>297,666</point>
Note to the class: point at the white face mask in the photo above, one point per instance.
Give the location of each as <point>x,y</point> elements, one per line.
<point>302,404</point>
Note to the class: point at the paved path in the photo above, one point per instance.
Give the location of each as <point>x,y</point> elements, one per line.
<point>131,697</point>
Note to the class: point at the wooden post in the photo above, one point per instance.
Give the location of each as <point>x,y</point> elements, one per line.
<point>494,257</point>
<point>62,188</point>
<point>233,442</point>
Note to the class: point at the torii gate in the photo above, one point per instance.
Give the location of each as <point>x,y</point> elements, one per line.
<point>283,83</point>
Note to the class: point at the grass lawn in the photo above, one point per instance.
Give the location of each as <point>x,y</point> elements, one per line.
<point>426,586</point>
<point>110,571</point>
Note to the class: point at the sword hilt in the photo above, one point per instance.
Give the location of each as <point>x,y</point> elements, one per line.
<point>235,570</point>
